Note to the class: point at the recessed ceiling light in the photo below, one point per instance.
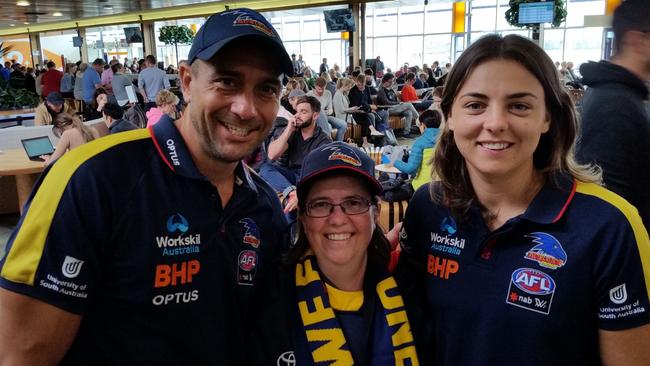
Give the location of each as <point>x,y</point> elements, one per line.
<point>22,3</point>
<point>108,7</point>
<point>26,23</point>
<point>57,14</point>
<point>12,25</point>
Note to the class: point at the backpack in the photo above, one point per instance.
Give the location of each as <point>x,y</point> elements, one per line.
<point>136,115</point>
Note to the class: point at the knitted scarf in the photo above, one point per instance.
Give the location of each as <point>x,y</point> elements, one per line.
<point>391,337</point>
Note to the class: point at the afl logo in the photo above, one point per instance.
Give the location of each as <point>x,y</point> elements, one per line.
<point>247,260</point>
<point>71,267</point>
<point>287,359</point>
<point>533,281</point>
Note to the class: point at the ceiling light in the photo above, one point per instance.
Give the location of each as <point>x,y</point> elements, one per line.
<point>12,25</point>
<point>26,23</point>
<point>57,14</point>
<point>22,3</point>
<point>108,7</point>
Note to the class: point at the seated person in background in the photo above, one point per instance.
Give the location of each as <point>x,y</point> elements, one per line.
<point>324,96</point>
<point>371,84</point>
<point>113,117</point>
<point>386,97</point>
<point>374,120</point>
<point>422,150</point>
<point>71,133</point>
<point>409,94</point>
<point>340,100</point>
<point>166,102</point>
<point>120,82</point>
<point>94,109</point>
<point>47,111</point>
<point>423,79</point>
<point>289,146</point>
<point>437,97</point>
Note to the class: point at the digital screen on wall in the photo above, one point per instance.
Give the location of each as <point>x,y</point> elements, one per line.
<point>133,35</point>
<point>535,13</point>
<point>339,20</point>
<point>77,41</point>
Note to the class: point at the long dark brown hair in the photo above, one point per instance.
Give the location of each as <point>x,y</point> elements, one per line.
<point>555,151</point>
<point>64,120</point>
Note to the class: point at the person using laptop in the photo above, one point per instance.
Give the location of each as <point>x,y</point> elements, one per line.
<point>47,111</point>
<point>71,133</point>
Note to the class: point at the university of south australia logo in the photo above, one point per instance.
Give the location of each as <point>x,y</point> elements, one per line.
<point>177,222</point>
<point>71,267</point>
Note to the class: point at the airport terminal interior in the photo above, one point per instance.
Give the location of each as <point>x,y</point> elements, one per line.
<point>405,35</point>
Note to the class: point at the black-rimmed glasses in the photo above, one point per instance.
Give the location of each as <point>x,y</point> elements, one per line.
<point>351,206</point>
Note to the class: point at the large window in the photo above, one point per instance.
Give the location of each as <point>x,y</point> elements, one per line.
<point>110,41</point>
<point>59,48</point>
<point>167,53</point>
<point>307,35</point>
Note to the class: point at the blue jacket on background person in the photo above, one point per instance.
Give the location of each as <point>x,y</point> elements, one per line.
<point>427,140</point>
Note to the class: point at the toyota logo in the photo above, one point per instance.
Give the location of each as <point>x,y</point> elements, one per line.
<point>287,359</point>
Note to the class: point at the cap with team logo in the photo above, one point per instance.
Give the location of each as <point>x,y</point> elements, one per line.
<point>339,156</point>
<point>225,27</point>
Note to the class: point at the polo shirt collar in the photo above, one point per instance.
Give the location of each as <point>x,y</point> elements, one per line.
<point>552,200</point>
<point>173,151</point>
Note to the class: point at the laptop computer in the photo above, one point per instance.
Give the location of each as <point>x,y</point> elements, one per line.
<point>37,146</point>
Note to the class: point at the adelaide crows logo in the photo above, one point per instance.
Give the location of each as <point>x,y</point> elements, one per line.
<point>252,234</point>
<point>348,157</point>
<point>245,19</point>
<point>548,252</point>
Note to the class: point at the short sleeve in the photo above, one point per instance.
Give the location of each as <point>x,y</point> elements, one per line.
<point>622,272</point>
<point>53,253</point>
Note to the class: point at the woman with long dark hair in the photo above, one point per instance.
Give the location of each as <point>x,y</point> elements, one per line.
<point>517,255</point>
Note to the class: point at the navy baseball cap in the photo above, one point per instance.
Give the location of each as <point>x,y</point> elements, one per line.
<point>55,98</point>
<point>339,156</point>
<point>225,27</point>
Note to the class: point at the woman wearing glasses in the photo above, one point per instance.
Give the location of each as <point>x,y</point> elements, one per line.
<point>71,133</point>
<point>337,303</point>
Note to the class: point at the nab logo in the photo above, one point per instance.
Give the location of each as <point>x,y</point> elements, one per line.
<point>548,252</point>
<point>533,281</point>
<point>448,225</point>
<point>71,267</point>
<point>618,294</point>
<point>177,222</point>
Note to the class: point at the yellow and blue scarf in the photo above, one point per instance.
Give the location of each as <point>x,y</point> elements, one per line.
<point>391,330</point>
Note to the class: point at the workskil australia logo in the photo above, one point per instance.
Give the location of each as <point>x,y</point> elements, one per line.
<point>547,252</point>
<point>177,243</point>
<point>447,242</point>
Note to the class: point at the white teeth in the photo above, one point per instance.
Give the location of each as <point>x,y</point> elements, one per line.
<point>339,236</point>
<point>495,145</point>
<point>237,131</point>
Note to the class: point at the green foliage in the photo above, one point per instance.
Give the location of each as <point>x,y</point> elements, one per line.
<point>512,14</point>
<point>176,34</point>
<point>11,98</point>
<point>5,50</point>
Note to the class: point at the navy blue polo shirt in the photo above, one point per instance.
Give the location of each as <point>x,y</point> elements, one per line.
<point>535,291</point>
<point>126,231</point>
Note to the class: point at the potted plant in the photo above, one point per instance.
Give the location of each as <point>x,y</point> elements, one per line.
<point>176,34</point>
<point>512,14</point>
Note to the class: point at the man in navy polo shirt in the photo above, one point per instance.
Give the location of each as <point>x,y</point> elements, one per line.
<point>149,246</point>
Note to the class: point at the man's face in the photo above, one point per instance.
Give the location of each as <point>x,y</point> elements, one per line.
<point>304,115</point>
<point>300,57</point>
<point>55,107</point>
<point>232,101</point>
<point>388,83</point>
<point>360,85</point>
<point>319,90</point>
<point>98,68</point>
